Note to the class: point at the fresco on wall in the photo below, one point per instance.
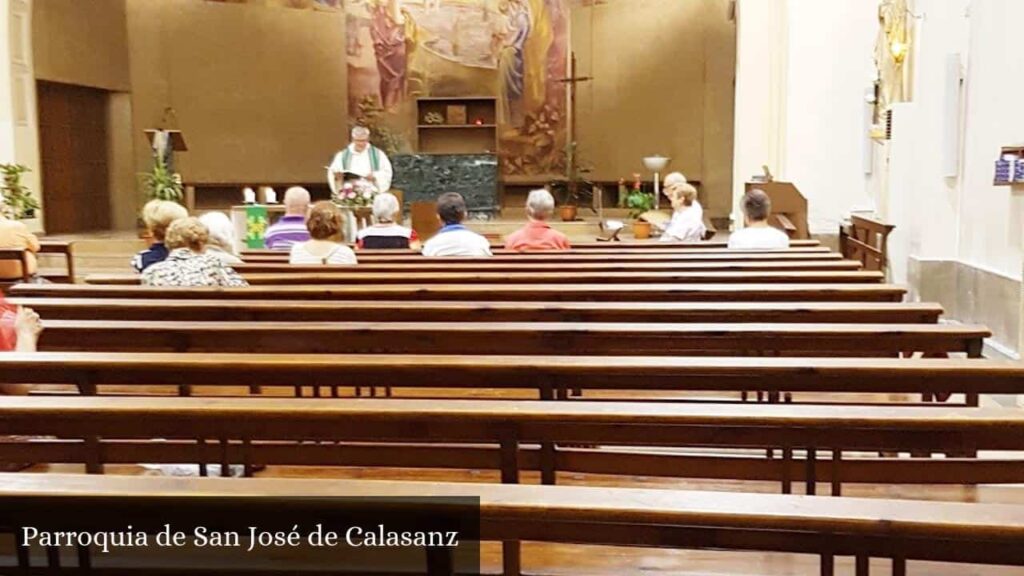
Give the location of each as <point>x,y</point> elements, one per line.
<point>399,50</point>
<point>305,4</point>
<point>515,50</point>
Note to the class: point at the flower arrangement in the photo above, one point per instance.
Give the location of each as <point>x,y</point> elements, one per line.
<point>357,193</point>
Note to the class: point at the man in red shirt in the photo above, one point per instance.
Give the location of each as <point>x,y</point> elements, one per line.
<point>537,234</point>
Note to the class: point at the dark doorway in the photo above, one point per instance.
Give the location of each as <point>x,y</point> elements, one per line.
<point>73,146</point>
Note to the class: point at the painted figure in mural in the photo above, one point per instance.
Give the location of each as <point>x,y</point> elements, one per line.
<point>387,29</point>
<point>512,61</point>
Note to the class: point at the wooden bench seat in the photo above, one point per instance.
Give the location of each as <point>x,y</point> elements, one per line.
<point>551,377</point>
<point>574,267</point>
<point>496,292</point>
<point>828,527</point>
<point>400,311</point>
<point>514,338</point>
<point>356,276</point>
<point>515,436</point>
<point>401,257</point>
<point>717,246</point>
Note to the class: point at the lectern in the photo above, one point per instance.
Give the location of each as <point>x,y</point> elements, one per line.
<point>789,208</point>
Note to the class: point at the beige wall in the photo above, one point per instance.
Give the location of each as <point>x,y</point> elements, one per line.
<point>662,84</point>
<point>83,42</point>
<point>260,93</point>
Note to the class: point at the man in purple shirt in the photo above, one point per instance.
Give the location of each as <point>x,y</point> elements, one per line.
<point>291,228</point>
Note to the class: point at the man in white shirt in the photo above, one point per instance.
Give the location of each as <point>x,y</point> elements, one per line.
<point>362,158</point>
<point>758,234</point>
<point>454,239</point>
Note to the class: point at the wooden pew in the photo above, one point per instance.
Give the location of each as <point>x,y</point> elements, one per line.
<point>64,248</point>
<point>496,292</point>
<point>400,311</point>
<point>828,527</point>
<point>716,246</point>
<point>575,267</point>
<point>551,377</point>
<point>582,257</point>
<point>474,434</point>
<point>354,277</point>
<point>515,338</point>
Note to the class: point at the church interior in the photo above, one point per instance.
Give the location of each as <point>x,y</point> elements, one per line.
<point>545,287</point>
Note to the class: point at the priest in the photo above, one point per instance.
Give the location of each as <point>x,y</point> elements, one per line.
<point>362,159</point>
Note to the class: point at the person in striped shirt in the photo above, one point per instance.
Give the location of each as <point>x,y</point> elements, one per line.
<point>291,228</point>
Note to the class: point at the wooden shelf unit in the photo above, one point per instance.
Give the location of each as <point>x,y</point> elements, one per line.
<point>458,138</point>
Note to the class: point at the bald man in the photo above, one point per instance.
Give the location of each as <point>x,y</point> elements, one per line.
<point>291,228</point>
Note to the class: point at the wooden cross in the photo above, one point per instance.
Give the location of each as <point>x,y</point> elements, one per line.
<point>571,167</point>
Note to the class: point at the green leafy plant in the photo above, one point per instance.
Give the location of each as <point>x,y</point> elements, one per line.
<point>18,201</point>
<point>638,202</point>
<point>160,183</point>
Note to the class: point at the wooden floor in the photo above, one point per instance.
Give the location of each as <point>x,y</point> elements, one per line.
<point>558,560</point>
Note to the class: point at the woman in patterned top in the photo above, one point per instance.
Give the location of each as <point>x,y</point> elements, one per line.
<point>187,265</point>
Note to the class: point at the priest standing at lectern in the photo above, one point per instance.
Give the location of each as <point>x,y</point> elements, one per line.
<point>360,158</point>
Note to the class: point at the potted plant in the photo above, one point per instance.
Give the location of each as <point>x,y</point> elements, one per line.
<point>638,202</point>
<point>160,183</point>
<point>18,201</point>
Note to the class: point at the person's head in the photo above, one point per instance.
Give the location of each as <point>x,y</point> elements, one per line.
<point>674,179</point>
<point>325,222</point>
<point>540,204</point>
<point>296,201</point>
<point>222,231</point>
<point>451,208</point>
<point>360,138</point>
<point>385,207</point>
<point>682,195</point>
<point>187,233</point>
<point>757,206</point>
<point>159,214</point>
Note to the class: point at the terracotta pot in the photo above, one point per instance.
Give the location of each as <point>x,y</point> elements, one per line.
<point>641,229</point>
<point>568,212</point>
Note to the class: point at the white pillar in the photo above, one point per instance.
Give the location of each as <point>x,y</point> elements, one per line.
<point>19,124</point>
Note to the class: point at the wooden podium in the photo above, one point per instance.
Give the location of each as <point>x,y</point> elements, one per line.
<point>789,208</point>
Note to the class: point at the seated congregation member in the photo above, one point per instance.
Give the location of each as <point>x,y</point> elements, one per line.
<point>19,332</point>
<point>687,224</point>
<point>325,246</point>
<point>537,234</point>
<point>291,228</point>
<point>758,234</point>
<point>188,265</point>
<point>157,215</point>
<point>222,237</point>
<point>454,239</point>
<point>14,235</point>
<point>385,233</point>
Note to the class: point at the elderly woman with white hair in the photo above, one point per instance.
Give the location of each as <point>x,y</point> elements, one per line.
<point>687,223</point>
<point>222,237</point>
<point>188,265</point>
<point>386,232</point>
<point>537,234</point>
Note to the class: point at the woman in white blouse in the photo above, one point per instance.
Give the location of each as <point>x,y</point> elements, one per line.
<point>325,224</point>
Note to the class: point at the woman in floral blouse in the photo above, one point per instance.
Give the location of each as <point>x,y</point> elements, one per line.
<point>187,265</point>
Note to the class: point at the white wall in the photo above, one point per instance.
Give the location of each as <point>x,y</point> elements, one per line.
<point>830,45</point>
<point>803,66</point>
<point>911,189</point>
<point>991,217</point>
